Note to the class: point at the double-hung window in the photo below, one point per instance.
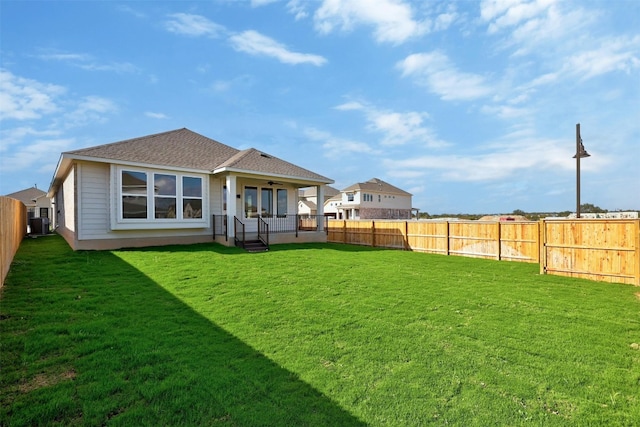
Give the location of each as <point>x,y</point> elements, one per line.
<point>134,194</point>
<point>191,197</point>
<point>164,189</point>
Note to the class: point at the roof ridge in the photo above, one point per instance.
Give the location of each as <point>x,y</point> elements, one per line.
<point>126,141</point>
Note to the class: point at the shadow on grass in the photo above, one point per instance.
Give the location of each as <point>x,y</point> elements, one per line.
<point>89,340</point>
<point>233,250</point>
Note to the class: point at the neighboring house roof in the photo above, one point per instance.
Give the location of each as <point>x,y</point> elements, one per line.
<point>308,204</point>
<point>28,196</point>
<point>376,185</point>
<point>185,149</point>
<point>329,192</point>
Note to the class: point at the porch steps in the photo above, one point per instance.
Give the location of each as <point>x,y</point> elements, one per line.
<point>255,246</point>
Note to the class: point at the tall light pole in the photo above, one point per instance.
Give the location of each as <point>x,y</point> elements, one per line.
<point>580,153</point>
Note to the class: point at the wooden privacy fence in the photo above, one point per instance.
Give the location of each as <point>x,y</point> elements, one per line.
<point>13,228</point>
<point>596,249</point>
<point>515,241</point>
<point>606,250</point>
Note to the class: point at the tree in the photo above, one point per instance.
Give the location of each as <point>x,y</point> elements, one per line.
<point>589,208</point>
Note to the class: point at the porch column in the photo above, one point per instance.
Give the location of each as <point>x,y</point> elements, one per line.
<point>231,203</point>
<point>320,204</point>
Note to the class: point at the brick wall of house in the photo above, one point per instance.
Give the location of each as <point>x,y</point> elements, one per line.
<point>381,213</point>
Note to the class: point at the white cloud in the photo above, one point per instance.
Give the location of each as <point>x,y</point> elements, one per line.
<point>254,43</point>
<point>505,111</point>
<point>507,13</point>
<point>153,115</point>
<point>538,26</point>
<point>396,128</point>
<point>614,54</point>
<point>24,99</point>
<point>438,74</point>
<point>258,3</point>
<point>503,161</point>
<point>193,25</point>
<point>298,9</point>
<point>90,109</point>
<point>87,62</point>
<point>13,136</point>
<point>335,147</point>
<point>37,153</point>
<point>241,81</point>
<point>392,20</point>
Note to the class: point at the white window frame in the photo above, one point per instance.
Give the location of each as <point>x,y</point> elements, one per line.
<point>151,223</point>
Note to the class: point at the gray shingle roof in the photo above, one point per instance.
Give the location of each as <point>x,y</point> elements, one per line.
<point>179,148</point>
<point>28,195</point>
<point>184,148</point>
<point>376,185</point>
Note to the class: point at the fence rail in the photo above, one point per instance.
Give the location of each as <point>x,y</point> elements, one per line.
<point>605,250</point>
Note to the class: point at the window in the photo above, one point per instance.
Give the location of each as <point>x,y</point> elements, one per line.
<point>251,202</point>
<point>282,202</point>
<point>192,197</point>
<point>349,197</point>
<point>164,189</point>
<point>379,198</point>
<point>150,199</point>
<point>134,194</point>
<point>266,208</point>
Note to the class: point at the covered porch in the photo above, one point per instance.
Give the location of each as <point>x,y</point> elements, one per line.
<point>258,208</point>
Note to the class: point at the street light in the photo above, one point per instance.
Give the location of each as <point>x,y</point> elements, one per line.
<point>580,153</point>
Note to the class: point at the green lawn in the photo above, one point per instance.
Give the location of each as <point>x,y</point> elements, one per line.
<point>313,334</point>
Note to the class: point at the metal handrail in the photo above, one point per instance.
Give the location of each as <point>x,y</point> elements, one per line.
<point>238,224</point>
<point>263,232</point>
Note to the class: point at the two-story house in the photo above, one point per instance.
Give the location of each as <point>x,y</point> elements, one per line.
<point>373,199</point>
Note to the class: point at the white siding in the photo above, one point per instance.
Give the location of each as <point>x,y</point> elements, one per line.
<point>67,212</point>
<point>94,210</point>
<point>215,200</point>
<point>93,199</point>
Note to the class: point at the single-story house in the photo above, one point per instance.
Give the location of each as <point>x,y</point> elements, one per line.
<point>39,208</point>
<point>372,199</point>
<point>179,187</point>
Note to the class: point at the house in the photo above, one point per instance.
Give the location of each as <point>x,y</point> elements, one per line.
<point>373,199</point>
<point>308,199</point>
<point>179,187</point>
<point>39,208</point>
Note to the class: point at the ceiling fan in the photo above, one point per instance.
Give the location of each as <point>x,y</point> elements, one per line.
<point>272,183</point>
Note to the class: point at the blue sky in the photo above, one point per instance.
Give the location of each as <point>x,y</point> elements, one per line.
<point>471,106</point>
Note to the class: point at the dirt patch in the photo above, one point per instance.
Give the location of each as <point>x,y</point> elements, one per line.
<point>638,295</point>
<point>46,380</point>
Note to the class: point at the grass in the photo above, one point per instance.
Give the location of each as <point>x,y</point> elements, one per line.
<point>312,334</point>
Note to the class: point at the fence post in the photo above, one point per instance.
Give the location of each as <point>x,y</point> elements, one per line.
<point>447,237</point>
<point>542,242</point>
<point>499,237</point>
<point>405,238</point>
<point>373,234</point>
<point>344,231</point>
